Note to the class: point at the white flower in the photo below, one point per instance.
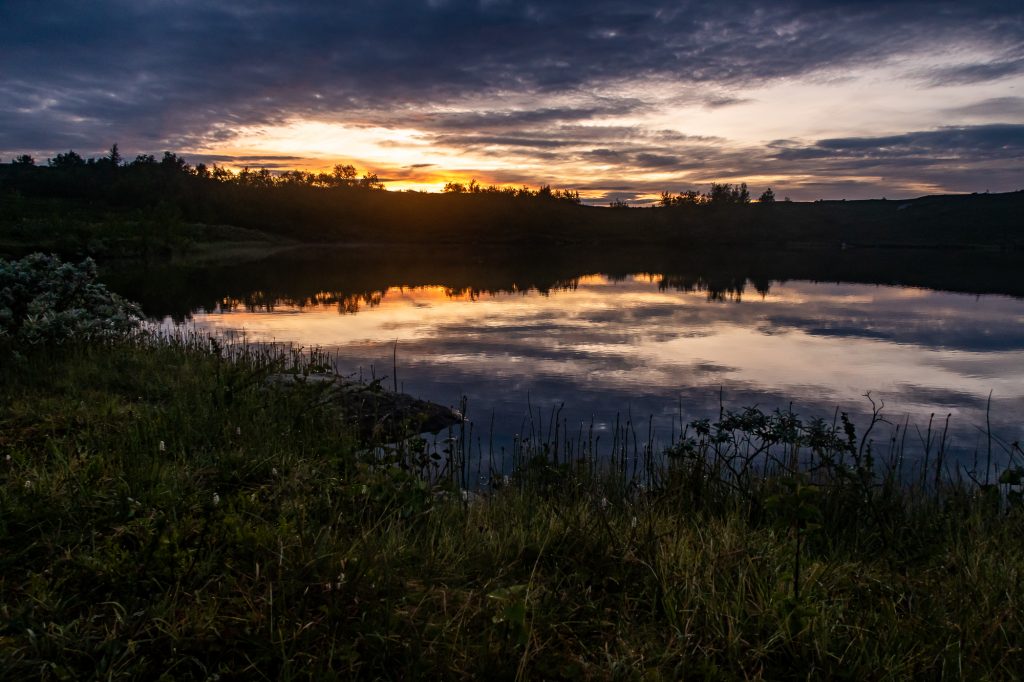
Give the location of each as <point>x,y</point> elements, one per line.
<point>8,459</point>
<point>273,471</point>
<point>216,499</point>
<point>162,447</point>
<point>28,484</point>
<point>365,490</point>
<point>633,523</point>
<point>238,430</point>
<point>603,503</point>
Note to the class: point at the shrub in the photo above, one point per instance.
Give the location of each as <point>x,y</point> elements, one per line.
<point>46,301</point>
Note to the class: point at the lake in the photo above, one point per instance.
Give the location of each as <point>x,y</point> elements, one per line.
<point>655,347</point>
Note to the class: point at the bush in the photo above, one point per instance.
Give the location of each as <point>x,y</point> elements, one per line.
<point>46,301</point>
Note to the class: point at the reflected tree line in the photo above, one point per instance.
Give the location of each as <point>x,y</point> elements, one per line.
<point>355,278</point>
<point>722,290</point>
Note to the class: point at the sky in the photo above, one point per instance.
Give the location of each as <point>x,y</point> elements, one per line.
<point>618,99</point>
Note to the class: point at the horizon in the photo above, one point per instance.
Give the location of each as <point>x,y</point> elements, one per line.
<point>818,101</point>
<point>234,171</point>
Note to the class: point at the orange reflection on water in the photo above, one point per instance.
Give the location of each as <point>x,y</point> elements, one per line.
<point>825,343</point>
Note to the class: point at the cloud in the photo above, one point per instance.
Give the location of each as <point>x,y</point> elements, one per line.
<point>541,80</point>
<point>1000,140</point>
<point>975,73</point>
<point>994,107</point>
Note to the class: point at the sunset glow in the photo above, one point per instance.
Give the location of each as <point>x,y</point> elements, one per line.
<point>893,99</point>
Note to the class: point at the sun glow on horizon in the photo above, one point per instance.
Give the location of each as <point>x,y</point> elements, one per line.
<point>672,139</point>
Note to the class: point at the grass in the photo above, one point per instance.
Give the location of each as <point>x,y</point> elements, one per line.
<point>166,513</point>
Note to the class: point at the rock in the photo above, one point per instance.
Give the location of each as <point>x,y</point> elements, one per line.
<point>376,411</point>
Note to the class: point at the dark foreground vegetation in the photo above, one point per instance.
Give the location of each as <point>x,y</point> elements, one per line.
<point>170,510</point>
<point>152,207</point>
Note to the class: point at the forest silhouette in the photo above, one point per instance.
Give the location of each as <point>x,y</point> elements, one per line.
<point>168,197</point>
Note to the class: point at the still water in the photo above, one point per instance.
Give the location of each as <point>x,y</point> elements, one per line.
<point>661,350</point>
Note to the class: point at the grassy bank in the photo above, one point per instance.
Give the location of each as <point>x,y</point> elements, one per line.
<point>166,511</point>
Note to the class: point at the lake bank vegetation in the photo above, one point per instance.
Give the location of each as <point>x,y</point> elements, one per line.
<point>169,510</point>
<point>155,208</point>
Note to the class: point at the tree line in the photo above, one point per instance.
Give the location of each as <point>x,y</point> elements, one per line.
<point>346,176</point>
<point>342,175</point>
<point>340,203</point>
<point>543,192</point>
<point>721,194</point>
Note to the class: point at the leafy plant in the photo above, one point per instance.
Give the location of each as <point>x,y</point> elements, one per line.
<point>46,301</point>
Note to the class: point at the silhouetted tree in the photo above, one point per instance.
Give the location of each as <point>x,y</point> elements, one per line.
<point>115,156</point>
<point>726,193</point>
<point>262,178</point>
<point>370,181</point>
<point>344,175</point>
<point>687,198</point>
<point>172,163</point>
<point>221,174</point>
<point>24,160</point>
<point>572,196</point>
<point>768,197</point>
<point>68,160</point>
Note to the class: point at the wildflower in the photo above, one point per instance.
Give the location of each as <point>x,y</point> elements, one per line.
<point>216,499</point>
<point>465,495</point>
<point>8,459</point>
<point>273,471</point>
<point>633,523</point>
<point>28,484</point>
<point>238,430</point>
<point>162,447</point>
<point>603,503</point>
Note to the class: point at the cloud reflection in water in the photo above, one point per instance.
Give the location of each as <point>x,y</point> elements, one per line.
<point>606,347</point>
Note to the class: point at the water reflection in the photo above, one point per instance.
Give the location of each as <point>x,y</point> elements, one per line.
<point>655,345</point>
